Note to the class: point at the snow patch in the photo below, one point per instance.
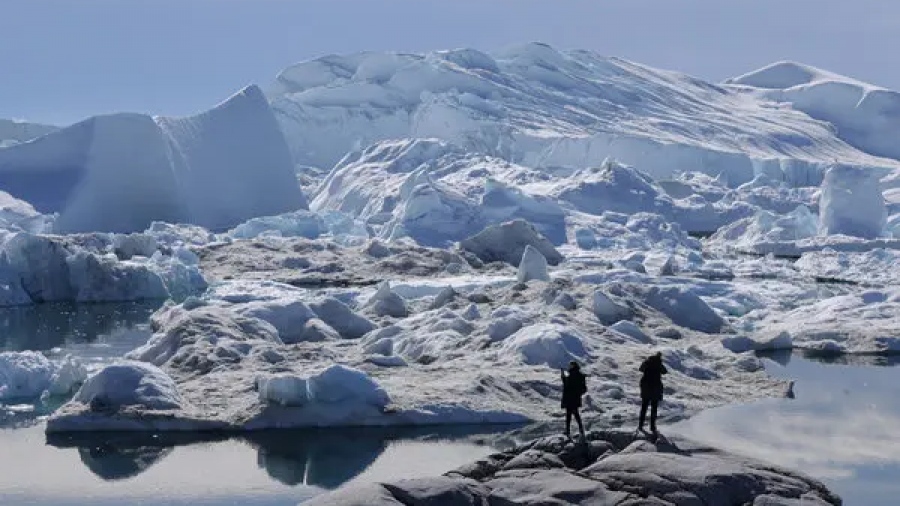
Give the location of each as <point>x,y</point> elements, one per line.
<point>128,384</point>
<point>544,344</point>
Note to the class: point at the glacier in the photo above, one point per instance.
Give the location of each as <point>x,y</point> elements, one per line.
<point>122,172</point>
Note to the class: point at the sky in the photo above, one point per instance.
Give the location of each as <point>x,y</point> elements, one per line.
<point>64,60</point>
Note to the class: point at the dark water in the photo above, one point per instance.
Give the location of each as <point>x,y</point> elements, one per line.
<point>88,330</point>
<point>841,427</point>
<point>95,333</point>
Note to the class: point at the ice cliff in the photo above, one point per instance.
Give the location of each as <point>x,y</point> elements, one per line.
<point>121,172</point>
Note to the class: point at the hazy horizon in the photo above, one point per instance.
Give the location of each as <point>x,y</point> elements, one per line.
<point>64,61</point>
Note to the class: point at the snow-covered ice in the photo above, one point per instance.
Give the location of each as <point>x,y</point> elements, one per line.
<point>15,132</point>
<point>28,375</point>
<point>863,322</point>
<point>863,114</point>
<point>24,375</point>
<point>546,108</point>
<point>219,350</point>
<point>129,384</point>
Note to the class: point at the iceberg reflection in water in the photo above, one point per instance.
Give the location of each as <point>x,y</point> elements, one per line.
<point>268,467</point>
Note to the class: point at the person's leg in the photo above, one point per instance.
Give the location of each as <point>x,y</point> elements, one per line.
<point>643,416</point>
<point>568,420</point>
<point>654,404</point>
<point>578,419</point>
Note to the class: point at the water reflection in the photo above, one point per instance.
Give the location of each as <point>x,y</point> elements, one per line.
<point>840,427</point>
<point>47,326</point>
<point>783,358</point>
<point>322,458</point>
<point>121,455</point>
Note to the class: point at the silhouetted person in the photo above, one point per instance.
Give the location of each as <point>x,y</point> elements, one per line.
<point>574,386</point>
<point>651,389</point>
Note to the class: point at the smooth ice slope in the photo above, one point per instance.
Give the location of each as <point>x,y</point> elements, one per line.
<point>121,172</point>
<point>541,107</point>
<point>233,162</point>
<point>864,115</point>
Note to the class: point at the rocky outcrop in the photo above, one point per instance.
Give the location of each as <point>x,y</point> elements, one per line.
<point>608,468</point>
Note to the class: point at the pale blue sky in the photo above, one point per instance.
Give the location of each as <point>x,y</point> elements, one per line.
<point>63,60</point>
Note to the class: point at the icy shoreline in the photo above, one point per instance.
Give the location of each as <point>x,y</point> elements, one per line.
<point>425,350</point>
<point>248,352</point>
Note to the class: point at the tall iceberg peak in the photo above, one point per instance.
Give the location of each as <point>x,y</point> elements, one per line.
<point>121,172</point>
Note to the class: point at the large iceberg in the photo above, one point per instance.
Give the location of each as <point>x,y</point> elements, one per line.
<point>121,172</point>
<point>546,108</point>
<point>865,115</point>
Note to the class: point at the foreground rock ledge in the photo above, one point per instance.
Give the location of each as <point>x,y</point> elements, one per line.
<point>610,468</point>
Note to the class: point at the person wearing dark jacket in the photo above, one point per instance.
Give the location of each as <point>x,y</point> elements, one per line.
<point>651,389</point>
<point>574,386</point>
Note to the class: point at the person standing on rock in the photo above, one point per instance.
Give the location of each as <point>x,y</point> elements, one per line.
<point>651,389</point>
<point>574,386</point>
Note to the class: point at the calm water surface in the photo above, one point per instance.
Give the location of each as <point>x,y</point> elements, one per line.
<point>279,468</point>
<point>841,426</point>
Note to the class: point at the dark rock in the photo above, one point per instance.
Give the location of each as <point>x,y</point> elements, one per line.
<point>534,459</point>
<point>483,468</point>
<point>438,491</point>
<point>545,472</point>
<point>551,488</point>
